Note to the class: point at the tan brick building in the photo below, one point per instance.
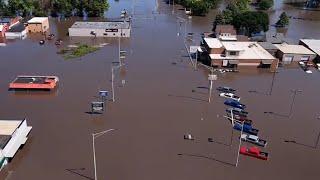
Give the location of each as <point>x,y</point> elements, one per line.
<point>235,54</point>
<point>38,25</point>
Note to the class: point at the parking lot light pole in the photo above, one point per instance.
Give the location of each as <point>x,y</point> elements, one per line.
<point>112,83</point>
<point>211,78</point>
<point>294,91</point>
<point>239,143</point>
<point>94,136</point>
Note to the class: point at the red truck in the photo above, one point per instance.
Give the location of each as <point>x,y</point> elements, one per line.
<point>254,152</point>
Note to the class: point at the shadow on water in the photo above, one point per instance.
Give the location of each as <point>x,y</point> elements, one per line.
<point>207,157</point>
<point>305,145</point>
<point>187,97</point>
<point>74,171</point>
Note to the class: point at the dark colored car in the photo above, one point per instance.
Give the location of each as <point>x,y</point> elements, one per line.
<point>233,103</point>
<point>237,111</point>
<point>226,89</point>
<point>247,128</point>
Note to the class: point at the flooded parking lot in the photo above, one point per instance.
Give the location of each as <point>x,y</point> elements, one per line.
<point>159,103</point>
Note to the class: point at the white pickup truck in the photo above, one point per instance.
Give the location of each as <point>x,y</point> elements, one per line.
<point>254,140</point>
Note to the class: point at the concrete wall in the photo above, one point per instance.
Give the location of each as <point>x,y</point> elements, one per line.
<point>83,32</point>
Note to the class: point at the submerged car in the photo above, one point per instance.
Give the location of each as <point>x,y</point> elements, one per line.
<point>230,96</point>
<point>237,111</point>
<point>225,89</point>
<point>234,103</point>
<point>254,140</point>
<point>247,128</point>
<point>254,152</point>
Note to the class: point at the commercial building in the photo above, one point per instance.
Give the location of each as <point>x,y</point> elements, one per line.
<point>288,53</point>
<point>233,54</point>
<point>38,25</point>
<point>13,134</point>
<point>101,29</point>
<point>313,45</point>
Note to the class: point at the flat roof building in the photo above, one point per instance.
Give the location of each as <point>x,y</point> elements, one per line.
<point>288,53</point>
<point>13,134</point>
<point>313,45</point>
<point>235,53</point>
<point>101,29</point>
<point>38,25</point>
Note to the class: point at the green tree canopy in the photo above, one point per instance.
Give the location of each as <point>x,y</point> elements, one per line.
<point>252,22</point>
<point>283,20</point>
<point>265,4</point>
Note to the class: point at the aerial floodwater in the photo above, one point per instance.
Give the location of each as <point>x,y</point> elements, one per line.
<point>159,98</point>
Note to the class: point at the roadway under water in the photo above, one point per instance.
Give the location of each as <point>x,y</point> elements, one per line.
<point>161,101</point>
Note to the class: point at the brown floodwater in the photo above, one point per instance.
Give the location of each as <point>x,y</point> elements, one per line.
<point>159,103</point>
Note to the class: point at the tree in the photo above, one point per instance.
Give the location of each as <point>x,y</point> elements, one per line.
<point>265,4</point>
<point>226,17</point>
<point>252,22</point>
<point>4,11</point>
<point>283,20</point>
<point>63,7</point>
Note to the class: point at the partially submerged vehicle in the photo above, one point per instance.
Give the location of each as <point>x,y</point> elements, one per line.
<point>247,128</point>
<point>254,140</point>
<point>233,103</point>
<point>247,121</point>
<point>230,96</point>
<point>254,152</point>
<point>34,83</point>
<point>226,89</point>
<point>237,111</point>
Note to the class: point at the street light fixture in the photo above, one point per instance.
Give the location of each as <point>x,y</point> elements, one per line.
<point>94,136</point>
<point>211,78</point>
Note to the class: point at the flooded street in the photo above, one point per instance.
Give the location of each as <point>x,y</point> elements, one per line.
<point>159,103</point>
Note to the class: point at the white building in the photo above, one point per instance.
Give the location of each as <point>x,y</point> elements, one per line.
<point>13,134</point>
<point>312,44</point>
<point>100,29</point>
<point>235,54</point>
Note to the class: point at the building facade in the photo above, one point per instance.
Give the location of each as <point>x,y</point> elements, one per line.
<point>229,54</point>
<point>288,53</point>
<point>38,25</point>
<point>100,29</point>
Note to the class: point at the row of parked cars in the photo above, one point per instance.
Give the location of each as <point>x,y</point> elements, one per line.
<point>238,117</point>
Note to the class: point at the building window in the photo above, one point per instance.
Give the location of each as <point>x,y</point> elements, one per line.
<point>233,53</point>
